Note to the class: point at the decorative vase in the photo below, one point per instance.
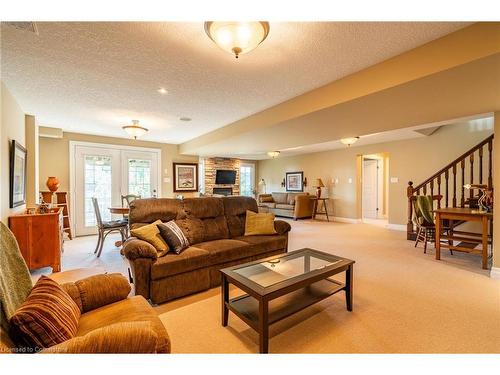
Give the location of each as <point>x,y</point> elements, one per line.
<point>52,183</point>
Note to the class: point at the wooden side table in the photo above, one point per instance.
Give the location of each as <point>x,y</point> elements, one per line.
<point>318,201</point>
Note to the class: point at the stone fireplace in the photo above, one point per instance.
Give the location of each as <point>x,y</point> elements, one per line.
<point>211,165</point>
<point>223,191</point>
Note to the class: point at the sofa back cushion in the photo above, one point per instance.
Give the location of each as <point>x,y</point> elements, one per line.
<point>152,209</point>
<point>203,220</point>
<point>280,198</point>
<point>291,197</point>
<point>235,209</point>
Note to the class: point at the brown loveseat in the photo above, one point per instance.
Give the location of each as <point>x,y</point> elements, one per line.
<point>215,229</point>
<point>294,205</point>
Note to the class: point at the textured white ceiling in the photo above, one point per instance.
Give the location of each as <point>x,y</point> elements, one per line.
<point>94,77</point>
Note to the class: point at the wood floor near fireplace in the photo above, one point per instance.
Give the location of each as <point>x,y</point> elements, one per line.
<point>226,191</point>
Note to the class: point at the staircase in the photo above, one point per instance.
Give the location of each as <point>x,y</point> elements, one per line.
<point>447,185</point>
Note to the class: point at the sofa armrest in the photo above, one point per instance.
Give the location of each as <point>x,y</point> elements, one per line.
<point>135,248</point>
<point>99,290</point>
<point>282,227</point>
<point>126,337</point>
<point>304,206</point>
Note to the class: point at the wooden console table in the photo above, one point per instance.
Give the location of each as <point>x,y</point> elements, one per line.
<point>40,238</point>
<point>316,206</point>
<point>468,240</point>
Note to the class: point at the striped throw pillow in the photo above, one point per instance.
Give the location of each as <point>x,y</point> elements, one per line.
<point>48,317</point>
<point>173,236</point>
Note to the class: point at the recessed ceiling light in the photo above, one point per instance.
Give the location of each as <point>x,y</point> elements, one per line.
<point>185,119</point>
<point>162,90</point>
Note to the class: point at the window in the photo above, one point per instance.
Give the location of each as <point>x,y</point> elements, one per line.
<point>139,177</point>
<point>247,179</point>
<point>98,185</point>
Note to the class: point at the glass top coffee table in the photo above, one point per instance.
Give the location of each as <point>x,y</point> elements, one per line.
<point>282,285</point>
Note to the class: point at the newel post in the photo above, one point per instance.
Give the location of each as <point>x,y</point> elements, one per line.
<point>409,225</point>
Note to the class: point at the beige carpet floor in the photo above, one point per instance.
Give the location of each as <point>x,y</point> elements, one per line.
<point>404,302</point>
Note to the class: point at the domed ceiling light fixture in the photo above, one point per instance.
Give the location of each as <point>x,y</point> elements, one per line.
<point>349,141</point>
<point>273,154</point>
<point>237,37</point>
<point>135,130</point>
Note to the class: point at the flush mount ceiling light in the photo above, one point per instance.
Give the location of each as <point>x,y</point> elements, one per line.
<point>162,90</point>
<point>273,154</point>
<point>237,37</point>
<point>349,141</point>
<point>135,130</point>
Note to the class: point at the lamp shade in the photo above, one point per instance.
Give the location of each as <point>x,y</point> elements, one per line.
<point>318,183</point>
<point>237,37</point>
<point>349,141</point>
<point>135,130</point>
<point>262,182</point>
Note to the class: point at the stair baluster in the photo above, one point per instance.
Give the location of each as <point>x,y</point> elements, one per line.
<point>436,178</point>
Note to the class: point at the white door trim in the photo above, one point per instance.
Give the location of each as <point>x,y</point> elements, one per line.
<point>72,174</point>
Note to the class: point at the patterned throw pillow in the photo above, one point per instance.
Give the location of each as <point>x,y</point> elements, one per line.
<point>267,199</point>
<point>48,317</point>
<point>151,234</point>
<point>173,236</point>
<point>259,224</point>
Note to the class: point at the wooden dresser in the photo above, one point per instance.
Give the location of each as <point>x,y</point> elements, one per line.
<point>40,238</point>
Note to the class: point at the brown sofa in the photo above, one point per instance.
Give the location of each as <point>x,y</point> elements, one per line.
<point>294,205</point>
<point>215,229</point>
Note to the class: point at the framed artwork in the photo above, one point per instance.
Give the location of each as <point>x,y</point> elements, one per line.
<point>17,181</point>
<point>185,177</point>
<point>294,181</point>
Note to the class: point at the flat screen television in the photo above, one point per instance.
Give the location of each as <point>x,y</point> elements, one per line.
<point>225,177</point>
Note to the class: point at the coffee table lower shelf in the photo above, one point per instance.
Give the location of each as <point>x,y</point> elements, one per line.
<point>247,308</point>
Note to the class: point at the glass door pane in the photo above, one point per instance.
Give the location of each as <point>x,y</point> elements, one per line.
<point>247,179</point>
<point>97,181</point>
<point>139,177</point>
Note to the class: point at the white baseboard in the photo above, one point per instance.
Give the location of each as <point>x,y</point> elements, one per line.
<point>346,220</point>
<point>399,227</point>
<point>495,273</point>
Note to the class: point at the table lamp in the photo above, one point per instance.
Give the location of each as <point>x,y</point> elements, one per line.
<point>484,201</point>
<point>318,184</point>
<point>262,185</point>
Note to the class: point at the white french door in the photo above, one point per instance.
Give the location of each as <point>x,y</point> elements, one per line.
<point>107,173</point>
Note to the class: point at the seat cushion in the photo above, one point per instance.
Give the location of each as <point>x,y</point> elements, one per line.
<point>132,309</point>
<point>285,206</point>
<point>266,204</point>
<point>171,264</point>
<point>264,244</point>
<point>115,223</point>
<point>221,251</point>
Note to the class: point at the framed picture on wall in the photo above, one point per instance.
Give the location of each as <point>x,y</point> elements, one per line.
<point>185,177</point>
<point>294,181</point>
<point>17,196</point>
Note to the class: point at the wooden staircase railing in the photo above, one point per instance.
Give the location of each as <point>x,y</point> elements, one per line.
<point>449,181</point>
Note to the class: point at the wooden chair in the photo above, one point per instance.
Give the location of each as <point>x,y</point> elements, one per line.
<point>129,198</point>
<point>426,231</point>
<point>106,227</point>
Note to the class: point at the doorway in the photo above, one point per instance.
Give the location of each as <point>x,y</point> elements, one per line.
<point>107,172</point>
<point>374,189</point>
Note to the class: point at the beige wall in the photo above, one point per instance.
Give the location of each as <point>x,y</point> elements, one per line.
<point>32,190</point>
<point>54,158</point>
<point>414,159</point>
<point>12,127</point>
